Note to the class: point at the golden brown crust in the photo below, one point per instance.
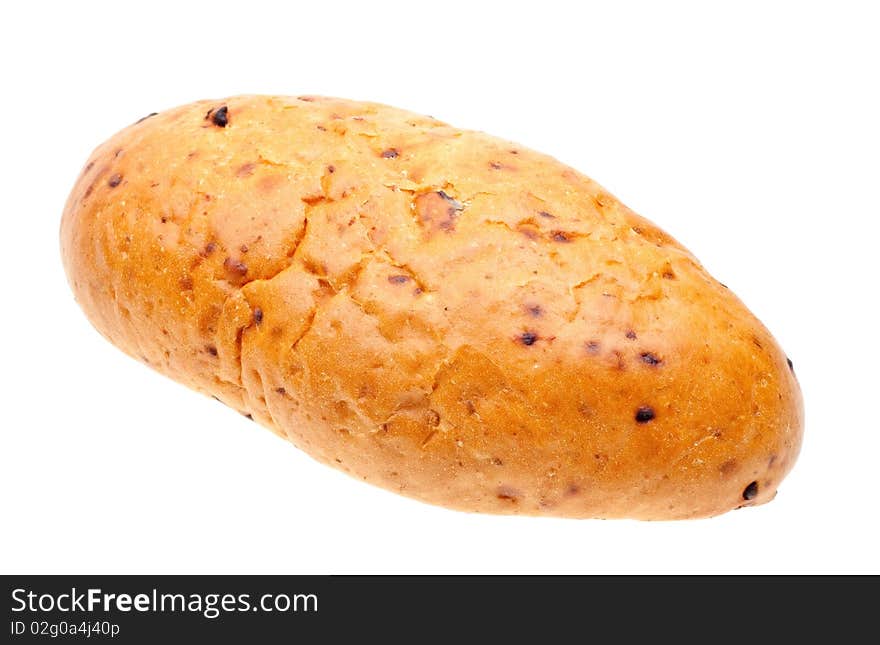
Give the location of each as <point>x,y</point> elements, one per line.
<point>436,311</point>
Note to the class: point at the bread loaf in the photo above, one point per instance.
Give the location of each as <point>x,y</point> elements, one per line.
<point>439,312</point>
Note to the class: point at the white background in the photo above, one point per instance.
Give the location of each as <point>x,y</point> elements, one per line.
<point>751,133</point>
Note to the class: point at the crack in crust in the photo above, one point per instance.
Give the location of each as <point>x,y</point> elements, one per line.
<point>343,286</point>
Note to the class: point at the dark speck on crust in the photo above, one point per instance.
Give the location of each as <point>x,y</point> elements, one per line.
<point>535,311</point>
<point>114,180</point>
<point>529,231</point>
<point>398,279</point>
<point>390,153</point>
<point>728,467</point>
<point>437,210</point>
<point>593,347</point>
<point>631,334</point>
<point>211,350</point>
<point>751,491</point>
<point>528,338</point>
<point>245,170</point>
<point>644,414</point>
<point>560,236</point>
<point>790,364</point>
<point>235,266</point>
<point>454,203</point>
<point>258,315</point>
<point>220,116</point>
<point>144,118</point>
<point>249,416</point>
<point>494,165</point>
<point>508,493</point>
<point>650,359</point>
